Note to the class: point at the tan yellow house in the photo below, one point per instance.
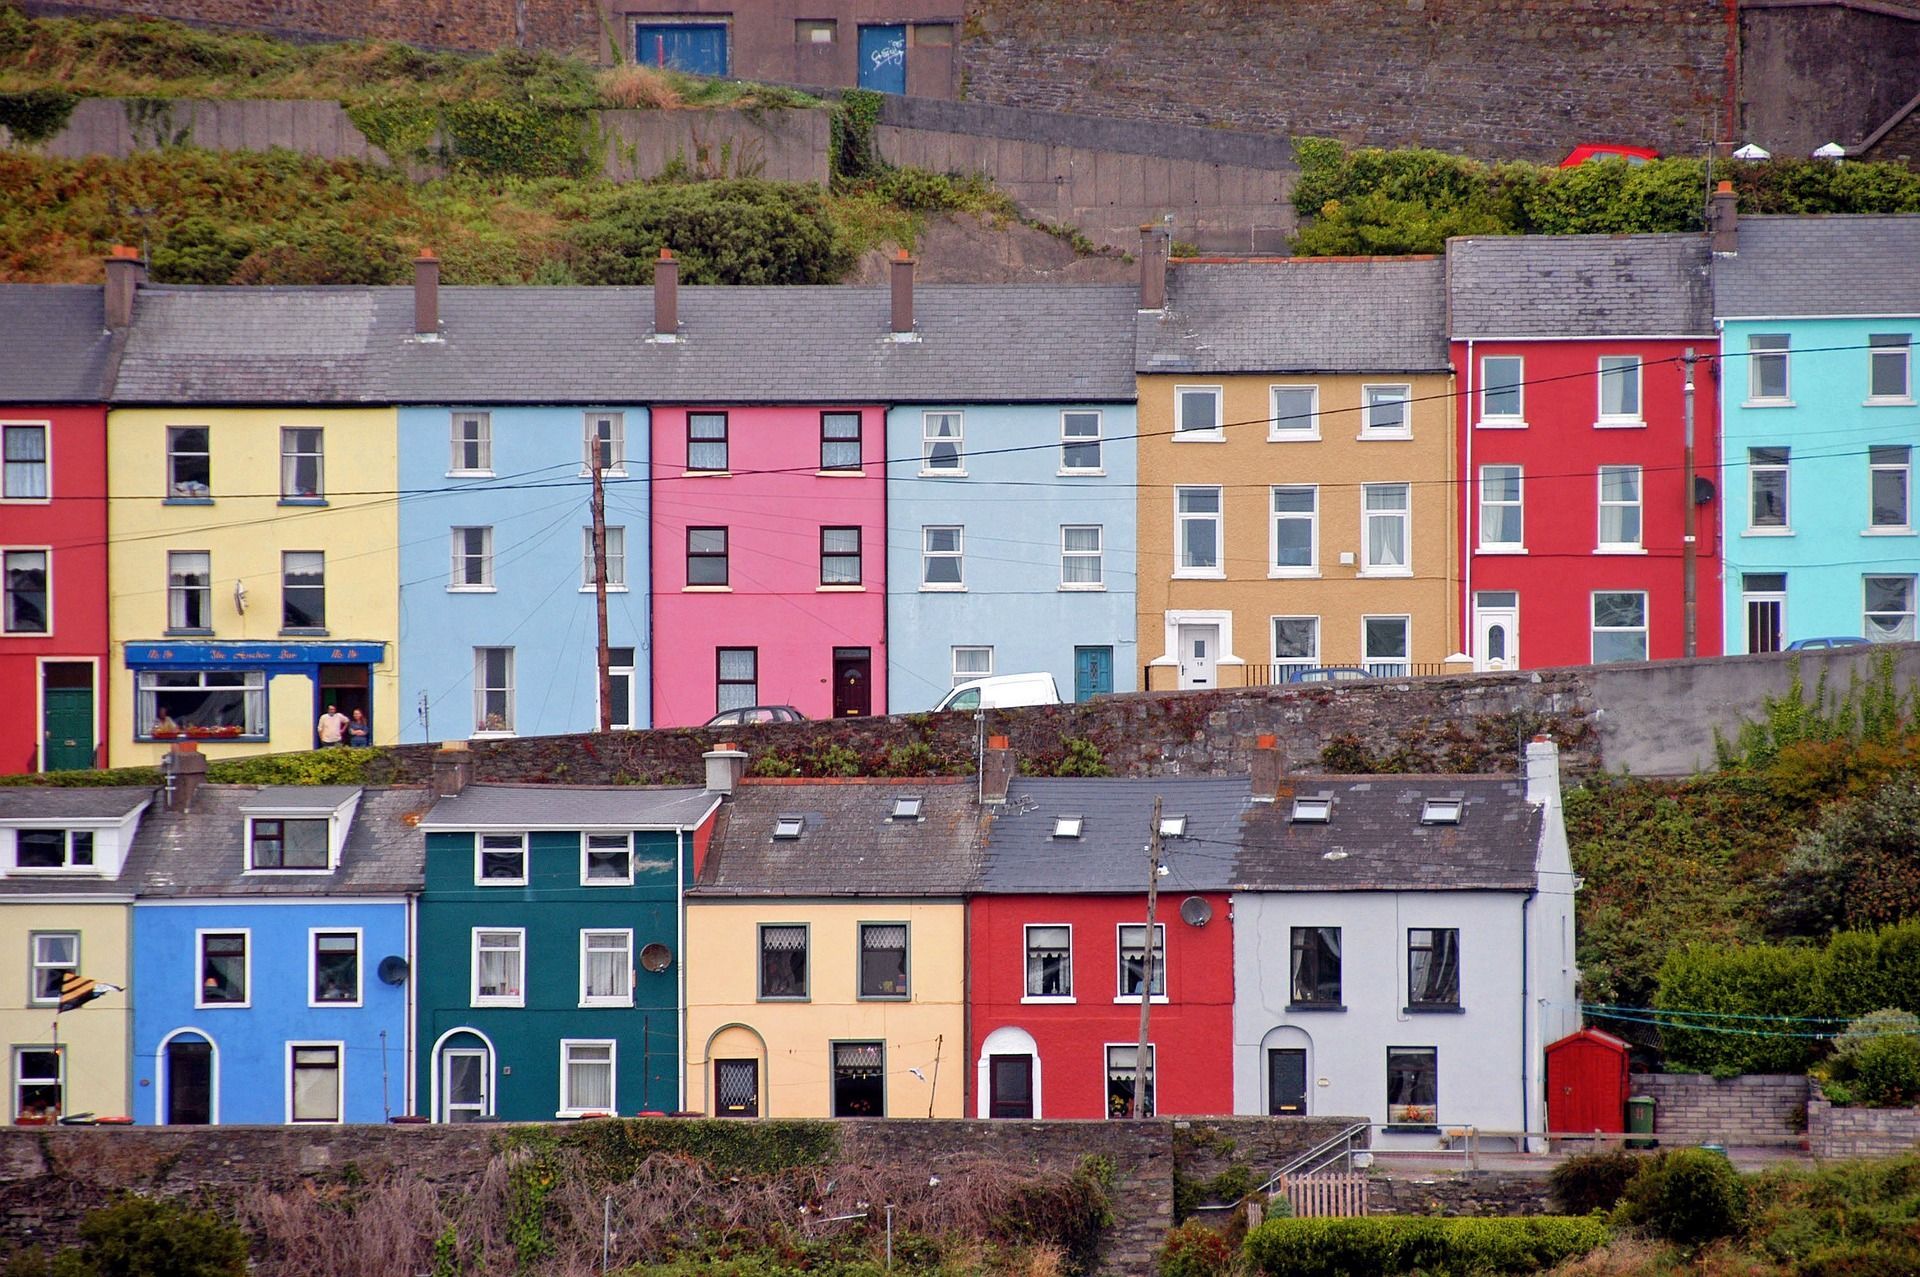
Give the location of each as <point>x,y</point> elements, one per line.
<point>826,951</point>
<point>63,911</point>
<point>1297,501</point>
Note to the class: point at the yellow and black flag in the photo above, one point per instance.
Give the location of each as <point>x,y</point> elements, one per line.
<point>76,991</point>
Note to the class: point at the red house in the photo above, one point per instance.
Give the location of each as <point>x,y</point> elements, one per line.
<point>1057,949</point>
<point>1570,355</point>
<point>54,374</point>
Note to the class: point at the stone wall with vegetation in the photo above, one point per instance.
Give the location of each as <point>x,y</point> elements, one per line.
<point>1834,1132</point>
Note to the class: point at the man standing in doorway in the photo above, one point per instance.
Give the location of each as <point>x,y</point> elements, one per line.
<point>333,728</point>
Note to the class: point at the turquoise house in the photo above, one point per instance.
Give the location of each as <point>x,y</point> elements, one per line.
<point>1818,317</point>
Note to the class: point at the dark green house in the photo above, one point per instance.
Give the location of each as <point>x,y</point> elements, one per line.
<point>549,974</point>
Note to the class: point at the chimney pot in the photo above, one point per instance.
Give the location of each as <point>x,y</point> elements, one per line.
<point>126,271</point>
<point>666,295</point>
<point>1267,766</point>
<point>902,294</point>
<point>188,768</point>
<point>996,771</point>
<point>726,764</point>
<point>1154,243</point>
<point>426,294</point>
<point>452,769</point>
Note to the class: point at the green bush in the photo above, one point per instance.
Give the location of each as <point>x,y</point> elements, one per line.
<point>1876,1061</point>
<point>1859,866</point>
<point>1435,1247</point>
<point>1593,1181</point>
<point>142,1237</point>
<point>1689,1195</point>
<point>731,232</point>
<point>1194,1250</point>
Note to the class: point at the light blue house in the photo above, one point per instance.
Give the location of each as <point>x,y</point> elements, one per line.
<point>1818,319</point>
<point>1011,507</point>
<point>271,954</point>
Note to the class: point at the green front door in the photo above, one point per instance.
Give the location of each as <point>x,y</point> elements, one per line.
<point>67,742</point>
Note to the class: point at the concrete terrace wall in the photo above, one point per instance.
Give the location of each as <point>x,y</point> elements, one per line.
<point>1757,1108</point>
<point>1857,1132</point>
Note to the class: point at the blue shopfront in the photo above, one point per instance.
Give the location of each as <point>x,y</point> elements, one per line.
<point>256,693</point>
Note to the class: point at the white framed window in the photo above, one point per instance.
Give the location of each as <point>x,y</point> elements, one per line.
<point>1621,503</point>
<point>302,464</point>
<point>1385,642</point>
<point>1197,412</point>
<point>1890,368</point>
<point>189,590</point>
<point>1502,390</point>
<point>1619,626</point>
<point>1296,643</point>
<point>224,971</point>
<point>1888,614</point>
<point>58,849</point>
<point>1080,431</point>
<point>1767,371</point>
<point>52,956</point>
<point>940,559</point>
<point>289,842</point>
<point>24,463</point>
<point>1121,1075</point>
<point>316,1081</point>
<point>493,691</point>
<point>942,436</point>
<point>1386,513</point>
<point>499,966</point>
<point>970,663</point>
<point>1081,566</point>
<point>165,700</point>
<point>1386,412</point>
<point>606,968</point>
<point>472,559</point>
<point>616,558</point>
<point>1131,940</point>
<point>1049,956</point>
<point>24,592</point>
<point>1620,390</point>
<point>500,860</point>
<point>1197,531</point>
<point>303,591</point>
<point>471,437</point>
<point>1890,488</point>
<point>333,967</point>
<point>1768,489</point>
<point>1293,541</point>
<point>605,435</point>
<point>1502,516</point>
<point>1293,413</point>
<point>606,860</point>
<point>39,1083</point>
<point>586,1076</point>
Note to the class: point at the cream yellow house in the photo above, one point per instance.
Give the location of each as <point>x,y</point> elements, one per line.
<point>64,912</point>
<point>1297,499</point>
<point>253,571</point>
<point>826,951</point>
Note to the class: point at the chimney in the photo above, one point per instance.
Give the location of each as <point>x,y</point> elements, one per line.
<point>726,764</point>
<point>426,294</point>
<point>1723,219</point>
<point>186,770</point>
<point>902,294</point>
<point>1269,765</point>
<point>452,769</point>
<point>996,770</point>
<point>1153,267</point>
<point>1543,772</point>
<point>126,271</point>
<point>666,296</point>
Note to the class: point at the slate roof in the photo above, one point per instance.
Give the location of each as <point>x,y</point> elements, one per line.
<point>60,802</point>
<point>568,807</point>
<point>1326,315</point>
<point>202,851</point>
<point>1375,840</point>
<point>1022,855</point>
<point>1579,286</point>
<point>56,348</point>
<point>847,846</point>
<point>1834,264</point>
<point>218,345</point>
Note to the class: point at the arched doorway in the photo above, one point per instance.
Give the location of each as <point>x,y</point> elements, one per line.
<point>463,1077</point>
<point>1007,1074</point>
<point>737,1073</point>
<point>1286,1056</point>
<point>188,1068</point>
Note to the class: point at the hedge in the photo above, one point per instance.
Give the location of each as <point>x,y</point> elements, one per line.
<point>1375,1247</point>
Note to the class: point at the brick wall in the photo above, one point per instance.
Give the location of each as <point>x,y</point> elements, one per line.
<point>1859,1132</point>
<point>1761,1108</point>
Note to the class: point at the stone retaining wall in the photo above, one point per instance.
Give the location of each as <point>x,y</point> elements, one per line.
<point>1459,1193</point>
<point>1759,1108</point>
<point>1834,1132</point>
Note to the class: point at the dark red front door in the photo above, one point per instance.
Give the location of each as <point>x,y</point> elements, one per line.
<point>852,682</point>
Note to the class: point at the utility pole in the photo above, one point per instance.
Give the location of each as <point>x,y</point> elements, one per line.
<point>1146,963</point>
<point>1688,549</point>
<point>600,584</point>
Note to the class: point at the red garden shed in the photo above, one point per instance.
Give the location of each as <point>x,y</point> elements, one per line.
<point>1587,1083</point>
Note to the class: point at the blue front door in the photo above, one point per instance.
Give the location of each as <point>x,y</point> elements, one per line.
<point>883,59</point>
<point>698,49</point>
<point>1092,672</point>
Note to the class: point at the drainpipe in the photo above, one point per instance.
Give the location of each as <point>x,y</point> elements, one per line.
<point>1469,510</point>
<point>680,974</point>
<point>1526,969</point>
<point>409,1040</point>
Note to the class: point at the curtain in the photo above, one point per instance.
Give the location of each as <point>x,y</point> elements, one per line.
<point>590,1077</point>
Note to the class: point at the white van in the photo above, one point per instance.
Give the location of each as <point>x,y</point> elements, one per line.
<point>1002,691</point>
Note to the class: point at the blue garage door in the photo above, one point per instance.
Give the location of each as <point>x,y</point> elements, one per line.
<point>883,59</point>
<point>696,49</point>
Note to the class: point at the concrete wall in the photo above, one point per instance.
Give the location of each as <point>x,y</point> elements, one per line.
<point>1861,1132</point>
<point>1759,1108</point>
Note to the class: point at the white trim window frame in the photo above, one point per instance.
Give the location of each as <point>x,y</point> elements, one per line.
<point>1197,506</point>
<point>971,649</point>
<point>1386,411</point>
<point>1293,530</point>
<point>607,846</point>
<point>1769,491</point>
<point>509,978</point>
<point>615,941</point>
<point>28,605</point>
<point>303,465</point>
<point>493,688</point>
<point>1204,406</point>
<point>75,848</point>
<point>189,591</point>
<point>203,979</point>
<point>26,467</point>
<point>1382,506</point>
<point>470,560</point>
<point>1158,985</point>
<point>1293,413</point>
<point>1626,634</point>
<point>316,1062</point>
<point>42,962</point>
<point>1887,618</point>
<point>1082,441</point>
<point>1769,370</point>
<point>943,551</point>
<point>470,445</point>
<point>1300,648</point>
<point>1889,489</point>
<point>1620,392</point>
<point>1083,565</point>
<point>23,1079</point>
<point>498,848</point>
<point>1889,368</point>
<point>1378,637</point>
<point>616,559</point>
<point>1115,1109</point>
<point>1622,496</point>
<point>1502,501</point>
<point>359,950</point>
<point>1503,397</point>
<point>590,1047</point>
<point>1038,975</point>
<point>943,444</point>
<point>285,843</point>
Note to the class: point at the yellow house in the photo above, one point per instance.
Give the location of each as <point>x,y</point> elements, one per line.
<point>826,951</point>
<point>64,912</point>
<point>254,563</point>
<point>1297,498</point>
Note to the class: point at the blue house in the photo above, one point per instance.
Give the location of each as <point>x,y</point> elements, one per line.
<point>1818,318</point>
<point>271,955</point>
<point>1011,502</point>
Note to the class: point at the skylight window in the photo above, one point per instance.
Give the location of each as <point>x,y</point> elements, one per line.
<point>1067,826</point>
<point>1441,811</point>
<point>1173,826</point>
<point>907,808</point>
<point>1313,809</point>
<point>788,826</point>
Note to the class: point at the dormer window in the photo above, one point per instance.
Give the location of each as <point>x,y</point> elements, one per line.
<point>1441,811</point>
<point>1173,826</point>
<point>1067,826</point>
<point>298,829</point>
<point>70,849</point>
<point>1312,810</point>
<point>907,808</point>
<point>788,826</point>
<point>279,843</point>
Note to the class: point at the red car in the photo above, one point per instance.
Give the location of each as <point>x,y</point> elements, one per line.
<point>1608,151</point>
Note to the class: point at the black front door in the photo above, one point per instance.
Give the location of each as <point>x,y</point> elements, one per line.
<point>1011,1082</point>
<point>852,682</point>
<point>736,1088</point>
<point>1286,1082</point>
<point>189,1082</point>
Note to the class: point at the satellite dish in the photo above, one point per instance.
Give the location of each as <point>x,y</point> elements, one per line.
<point>393,970</point>
<point>1195,911</point>
<point>656,957</point>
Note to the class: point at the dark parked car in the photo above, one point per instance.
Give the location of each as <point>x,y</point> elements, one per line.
<point>1329,674</point>
<point>1814,644</point>
<point>754,714</point>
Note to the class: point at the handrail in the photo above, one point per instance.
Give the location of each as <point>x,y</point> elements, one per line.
<point>1316,1157</point>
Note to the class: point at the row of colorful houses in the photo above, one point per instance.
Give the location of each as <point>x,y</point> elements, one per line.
<point>226,509</point>
<point>1391,947</point>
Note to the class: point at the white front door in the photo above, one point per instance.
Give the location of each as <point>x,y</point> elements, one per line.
<point>463,1085</point>
<point>1199,647</point>
<point>1496,631</point>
